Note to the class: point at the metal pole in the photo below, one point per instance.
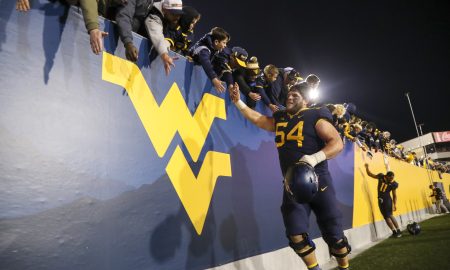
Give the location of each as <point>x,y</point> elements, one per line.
<point>418,135</point>
<point>421,134</point>
<point>426,155</point>
<point>414,118</point>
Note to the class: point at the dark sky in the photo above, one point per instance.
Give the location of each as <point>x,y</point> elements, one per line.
<point>366,52</point>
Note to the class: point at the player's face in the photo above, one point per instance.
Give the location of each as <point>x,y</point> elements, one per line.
<point>390,178</point>
<point>294,102</point>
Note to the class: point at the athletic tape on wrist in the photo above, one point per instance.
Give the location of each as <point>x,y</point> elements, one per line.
<point>319,156</point>
<point>240,105</point>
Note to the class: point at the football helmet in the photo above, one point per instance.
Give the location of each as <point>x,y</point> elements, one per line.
<point>301,182</point>
<point>413,228</point>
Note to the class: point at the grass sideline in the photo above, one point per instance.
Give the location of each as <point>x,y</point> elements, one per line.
<point>428,250</point>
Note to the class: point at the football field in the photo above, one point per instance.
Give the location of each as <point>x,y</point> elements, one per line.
<point>428,250</point>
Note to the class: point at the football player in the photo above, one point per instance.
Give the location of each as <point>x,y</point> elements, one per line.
<point>386,185</point>
<point>307,135</point>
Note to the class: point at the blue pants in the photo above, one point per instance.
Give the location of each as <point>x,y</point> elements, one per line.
<point>385,205</point>
<point>324,205</point>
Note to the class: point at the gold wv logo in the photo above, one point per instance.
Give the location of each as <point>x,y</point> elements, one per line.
<point>161,122</point>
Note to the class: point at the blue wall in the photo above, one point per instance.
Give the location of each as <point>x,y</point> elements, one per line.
<point>81,184</point>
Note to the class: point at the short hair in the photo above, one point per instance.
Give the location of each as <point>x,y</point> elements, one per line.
<point>271,69</point>
<point>219,34</point>
<point>330,107</point>
<point>301,88</point>
<point>431,186</point>
<point>389,174</point>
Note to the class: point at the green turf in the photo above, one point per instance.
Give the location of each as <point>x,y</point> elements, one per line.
<point>428,250</point>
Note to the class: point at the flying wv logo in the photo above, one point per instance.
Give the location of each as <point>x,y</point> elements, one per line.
<point>162,122</point>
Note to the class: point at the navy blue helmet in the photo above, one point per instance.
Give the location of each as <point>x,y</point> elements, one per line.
<point>301,182</point>
<point>413,228</point>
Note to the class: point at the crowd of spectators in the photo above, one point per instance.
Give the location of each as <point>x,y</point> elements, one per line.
<point>170,26</point>
<point>370,139</point>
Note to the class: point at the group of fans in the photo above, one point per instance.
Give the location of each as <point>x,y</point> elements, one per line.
<point>369,138</point>
<point>170,26</point>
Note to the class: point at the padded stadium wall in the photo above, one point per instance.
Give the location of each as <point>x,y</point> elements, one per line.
<point>107,164</point>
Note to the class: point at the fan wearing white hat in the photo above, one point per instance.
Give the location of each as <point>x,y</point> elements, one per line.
<point>162,15</point>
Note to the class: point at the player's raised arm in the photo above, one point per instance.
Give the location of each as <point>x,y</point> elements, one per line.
<point>369,173</point>
<point>253,116</point>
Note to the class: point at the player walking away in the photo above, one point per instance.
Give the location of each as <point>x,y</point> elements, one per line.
<point>437,194</point>
<point>305,134</point>
<point>386,184</point>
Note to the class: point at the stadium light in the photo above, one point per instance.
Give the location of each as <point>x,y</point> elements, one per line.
<point>314,94</point>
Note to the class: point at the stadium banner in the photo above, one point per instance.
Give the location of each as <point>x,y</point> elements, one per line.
<point>441,136</point>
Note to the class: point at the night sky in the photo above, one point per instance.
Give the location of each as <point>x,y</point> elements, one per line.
<point>367,53</point>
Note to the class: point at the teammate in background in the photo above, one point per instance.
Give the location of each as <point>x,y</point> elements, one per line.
<point>437,194</point>
<point>204,50</point>
<point>386,184</point>
<point>304,134</point>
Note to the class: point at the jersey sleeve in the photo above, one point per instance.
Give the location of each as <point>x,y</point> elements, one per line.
<point>395,186</point>
<point>325,114</point>
<point>277,115</point>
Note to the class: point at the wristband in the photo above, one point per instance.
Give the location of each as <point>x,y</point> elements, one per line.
<point>240,105</point>
<point>314,159</point>
<point>319,156</point>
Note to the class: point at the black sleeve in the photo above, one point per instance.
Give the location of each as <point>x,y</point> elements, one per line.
<point>243,85</point>
<point>203,59</point>
<point>227,77</point>
<point>221,66</point>
<point>325,114</point>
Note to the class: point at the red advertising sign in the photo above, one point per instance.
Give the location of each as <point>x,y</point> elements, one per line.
<point>441,136</point>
